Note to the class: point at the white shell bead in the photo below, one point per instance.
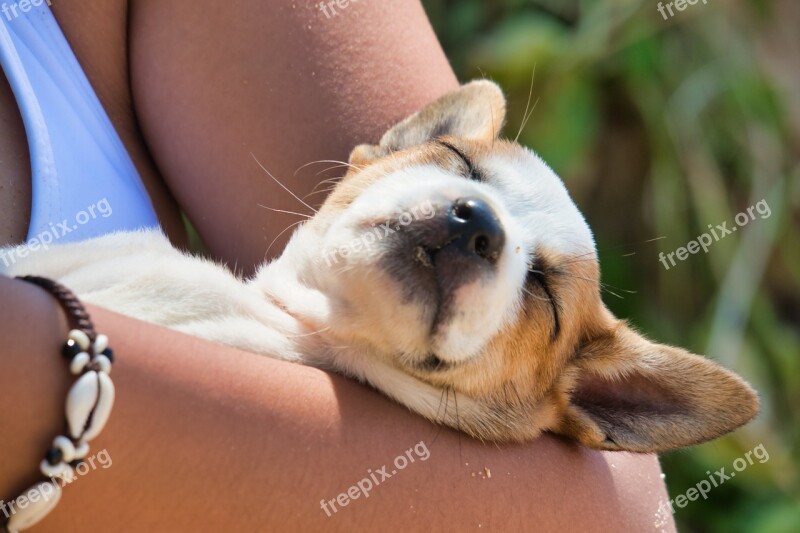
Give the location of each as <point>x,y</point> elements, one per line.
<point>48,492</point>
<point>62,470</point>
<point>92,396</point>
<point>67,448</point>
<point>100,343</point>
<point>103,364</point>
<point>81,450</point>
<point>81,338</point>
<point>78,363</point>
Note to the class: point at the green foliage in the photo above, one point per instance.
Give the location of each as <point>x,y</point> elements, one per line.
<point>660,128</point>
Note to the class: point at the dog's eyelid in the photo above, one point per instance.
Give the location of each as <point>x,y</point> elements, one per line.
<point>539,271</point>
<point>472,172</point>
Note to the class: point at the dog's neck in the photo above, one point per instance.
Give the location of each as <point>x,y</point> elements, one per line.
<point>286,284</point>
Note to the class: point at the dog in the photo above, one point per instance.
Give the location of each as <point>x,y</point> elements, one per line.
<point>446,262</point>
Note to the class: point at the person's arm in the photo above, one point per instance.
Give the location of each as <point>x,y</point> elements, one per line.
<point>214,82</point>
<point>207,438</point>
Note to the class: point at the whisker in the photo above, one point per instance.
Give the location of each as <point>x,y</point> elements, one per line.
<point>525,115</point>
<point>573,259</point>
<point>590,255</point>
<point>284,211</point>
<point>627,291</point>
<point>446,403</point>
<point>360,189</point>
<point>341,163</point>
<point>436,419</point>
<point>609,291</point>
<point>290,226</point>
<point>491,111</point>
<point>535,295</point>
<point>312,193</point>
<point>458,427</point>
<point>329,180</point>
<point>326,169</point>
<point>438,409</point>
<point>279,183</point>
<point>526,119</point>
<point>603,286</point>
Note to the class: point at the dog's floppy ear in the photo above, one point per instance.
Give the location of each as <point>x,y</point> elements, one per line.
<point>475,111</point>
<point>635,395</point>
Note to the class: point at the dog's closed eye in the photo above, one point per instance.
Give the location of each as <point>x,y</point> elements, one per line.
<point>538,279</point>
<point>471,171</point>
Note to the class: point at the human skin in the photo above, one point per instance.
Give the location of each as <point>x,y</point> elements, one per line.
<point>205,437</point>
<point>315,88</point>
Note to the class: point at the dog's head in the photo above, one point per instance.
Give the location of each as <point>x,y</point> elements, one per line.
<point>449,262</point>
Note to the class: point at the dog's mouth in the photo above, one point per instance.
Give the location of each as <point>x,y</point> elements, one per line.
<point>432,363</point>
<point>432,259</point>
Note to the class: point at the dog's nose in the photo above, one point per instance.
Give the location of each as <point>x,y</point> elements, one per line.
<point>475,229</point>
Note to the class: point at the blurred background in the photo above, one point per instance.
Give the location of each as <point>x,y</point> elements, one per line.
<point>661,126</point>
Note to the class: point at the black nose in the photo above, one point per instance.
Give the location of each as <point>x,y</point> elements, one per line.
<point>474,228</point>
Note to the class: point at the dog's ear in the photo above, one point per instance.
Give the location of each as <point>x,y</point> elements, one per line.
<point>475,111</point>
<point>631,394</point>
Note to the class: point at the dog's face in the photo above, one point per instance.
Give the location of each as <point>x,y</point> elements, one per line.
<point>459,261</point>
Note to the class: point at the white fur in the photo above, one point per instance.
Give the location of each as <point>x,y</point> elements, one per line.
<point>349,316</point>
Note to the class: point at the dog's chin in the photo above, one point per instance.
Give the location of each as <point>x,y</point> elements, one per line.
<point>434,279</point>
<point>411,311</point>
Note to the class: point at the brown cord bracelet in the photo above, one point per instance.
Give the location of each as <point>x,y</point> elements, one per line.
<point>88,407</point>
<point>75,310</point>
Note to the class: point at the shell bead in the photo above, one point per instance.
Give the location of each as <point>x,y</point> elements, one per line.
<point>81,338</point>
<point>102,364</point>
<point>61,470</point>
<point>100,343</point>
<point>89,404</point>
<point>78,363</point>
<point>41,499</point>
<point>67,448</point>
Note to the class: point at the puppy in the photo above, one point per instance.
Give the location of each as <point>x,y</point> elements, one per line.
<point>446,262</point>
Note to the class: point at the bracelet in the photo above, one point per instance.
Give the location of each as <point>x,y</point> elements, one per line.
<point>88,407</point>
